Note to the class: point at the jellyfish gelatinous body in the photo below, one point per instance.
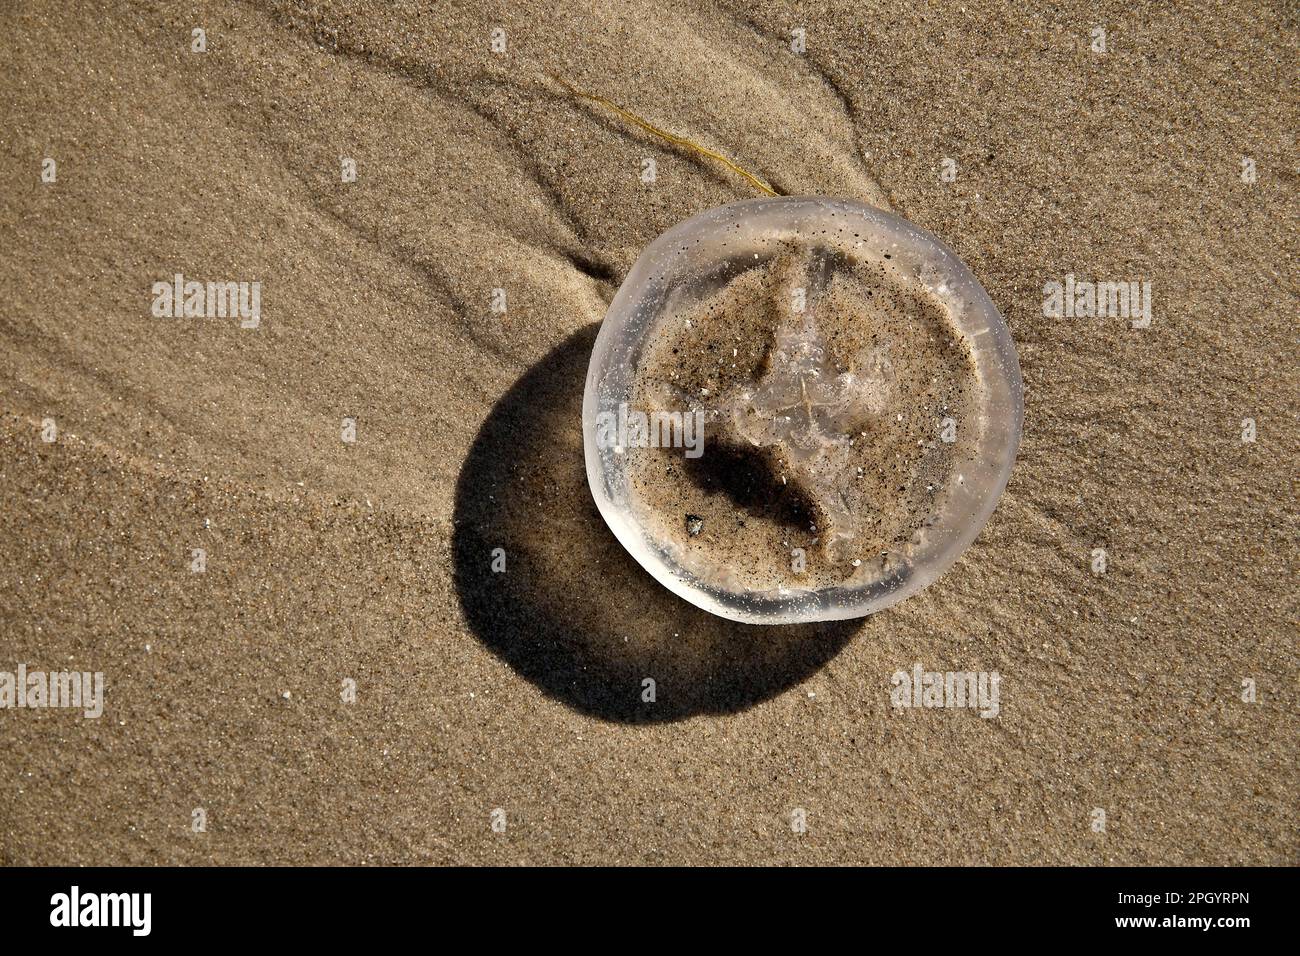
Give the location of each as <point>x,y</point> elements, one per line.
<point>799,409</point>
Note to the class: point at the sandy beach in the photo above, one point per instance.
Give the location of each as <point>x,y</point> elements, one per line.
<point>272,534</point>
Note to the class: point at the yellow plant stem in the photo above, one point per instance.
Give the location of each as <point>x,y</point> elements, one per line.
<point>665,135</point>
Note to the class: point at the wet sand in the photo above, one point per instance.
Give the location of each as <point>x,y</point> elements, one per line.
<point>370,561</point>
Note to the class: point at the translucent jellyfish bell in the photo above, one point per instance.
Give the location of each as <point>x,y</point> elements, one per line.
<point>799,409</point>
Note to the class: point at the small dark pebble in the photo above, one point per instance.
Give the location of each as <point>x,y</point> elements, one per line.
<point>694,525</point>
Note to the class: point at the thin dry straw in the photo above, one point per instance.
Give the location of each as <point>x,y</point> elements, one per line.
<point>665,135</point>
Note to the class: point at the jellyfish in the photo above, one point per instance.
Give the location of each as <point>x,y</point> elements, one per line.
<point>859,398</point>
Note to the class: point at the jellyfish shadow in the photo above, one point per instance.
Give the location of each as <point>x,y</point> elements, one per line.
<point>567,607</point>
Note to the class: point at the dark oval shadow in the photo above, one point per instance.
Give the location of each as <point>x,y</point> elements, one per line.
<point>573,612</point>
